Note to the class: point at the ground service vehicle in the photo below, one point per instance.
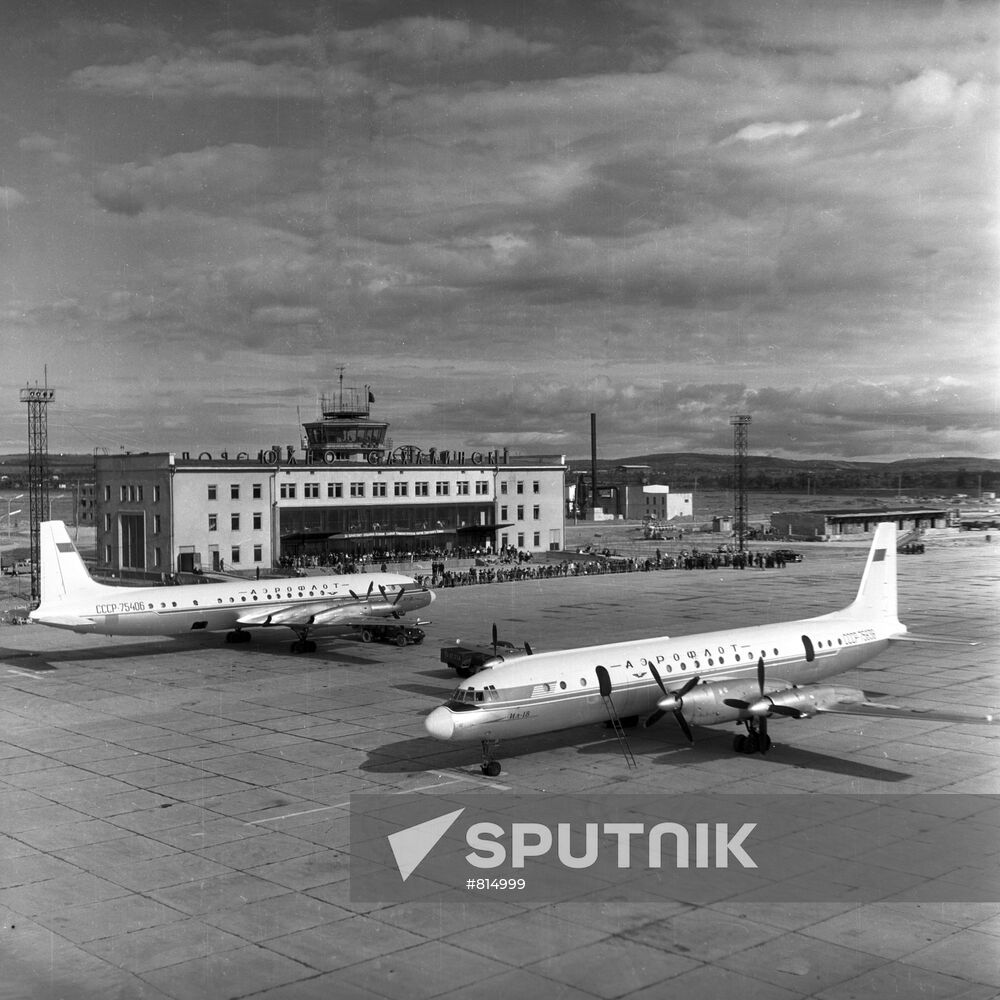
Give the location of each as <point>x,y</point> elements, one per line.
<point>401,635</point>
<point>467,659</point>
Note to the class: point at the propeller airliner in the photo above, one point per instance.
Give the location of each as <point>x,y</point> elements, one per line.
<point>72,599</point>
<point>743,675</point>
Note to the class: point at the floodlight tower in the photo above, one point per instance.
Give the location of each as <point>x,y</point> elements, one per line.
<point>38,398</point>
<point>741,425</point>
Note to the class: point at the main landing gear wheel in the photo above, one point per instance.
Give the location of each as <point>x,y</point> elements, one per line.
<point>490,765</point>
<point>303,646</point>
<point>752,742</point>
<point>239,635</point>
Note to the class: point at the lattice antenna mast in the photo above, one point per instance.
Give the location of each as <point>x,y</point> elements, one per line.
<point>741,426</point>
<point>38,398</point>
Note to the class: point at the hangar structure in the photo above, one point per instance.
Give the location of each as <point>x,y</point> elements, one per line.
<point>822,525</point>
<point>348,493</point>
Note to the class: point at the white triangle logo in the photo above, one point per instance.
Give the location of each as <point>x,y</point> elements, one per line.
<point>412,845</point>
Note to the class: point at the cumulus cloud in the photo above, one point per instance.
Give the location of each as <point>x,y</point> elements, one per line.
<point>936,97</point>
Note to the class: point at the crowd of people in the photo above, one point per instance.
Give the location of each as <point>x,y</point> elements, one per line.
<point>598,563</point>
<point>469,567</point>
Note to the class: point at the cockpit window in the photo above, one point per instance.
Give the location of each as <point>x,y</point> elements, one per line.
<point>470,696</point>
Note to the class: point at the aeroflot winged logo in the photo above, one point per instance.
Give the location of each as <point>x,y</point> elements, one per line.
<point>412,845</point>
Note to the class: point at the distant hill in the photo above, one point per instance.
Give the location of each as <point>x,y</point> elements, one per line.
<point>713,471</point>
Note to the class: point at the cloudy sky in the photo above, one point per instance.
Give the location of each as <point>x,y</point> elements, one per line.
<point>504,216</point>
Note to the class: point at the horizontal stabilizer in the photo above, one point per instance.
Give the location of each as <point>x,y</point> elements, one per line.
<point>74,622</point>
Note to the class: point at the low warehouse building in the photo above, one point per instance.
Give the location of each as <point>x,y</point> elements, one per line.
<point>823,525</point>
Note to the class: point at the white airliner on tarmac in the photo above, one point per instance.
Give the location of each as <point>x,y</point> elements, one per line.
<point>71,599</point>
<point>742,675</point>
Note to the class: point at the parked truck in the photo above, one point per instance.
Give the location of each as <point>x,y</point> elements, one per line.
<point>467,658</point>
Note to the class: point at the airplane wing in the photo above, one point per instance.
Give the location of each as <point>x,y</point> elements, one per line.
<point>318,612</point>
<point>881,710</point>
<point>913,637</point>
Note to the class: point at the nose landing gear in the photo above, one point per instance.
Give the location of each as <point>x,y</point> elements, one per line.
<point>490,765</point>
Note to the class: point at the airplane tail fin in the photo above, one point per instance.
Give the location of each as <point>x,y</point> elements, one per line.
<point>63,575</point>
<point>877,596</point>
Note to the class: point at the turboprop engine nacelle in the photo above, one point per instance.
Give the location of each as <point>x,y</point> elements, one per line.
<point>705,704</point>
<point>813,698</point>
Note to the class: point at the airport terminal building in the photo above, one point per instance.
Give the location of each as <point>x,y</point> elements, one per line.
<point>346,494</point>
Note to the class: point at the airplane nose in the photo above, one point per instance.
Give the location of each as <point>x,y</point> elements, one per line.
<point>440,724</point>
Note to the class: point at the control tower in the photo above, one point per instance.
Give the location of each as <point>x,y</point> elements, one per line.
<point>345,432</point>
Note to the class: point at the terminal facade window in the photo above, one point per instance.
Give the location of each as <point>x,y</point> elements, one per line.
<point>234,491</point>
<point>311,491</point>
<point>335,491</point>
<point>400,489</point>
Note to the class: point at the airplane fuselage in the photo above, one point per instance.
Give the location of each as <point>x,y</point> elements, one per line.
<point>217,607</point>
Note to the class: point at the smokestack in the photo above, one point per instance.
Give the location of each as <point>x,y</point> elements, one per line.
<point>593,461</point>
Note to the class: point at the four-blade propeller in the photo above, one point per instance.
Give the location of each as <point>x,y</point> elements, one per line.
<point>763,706</point>
<point>672,701</point>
